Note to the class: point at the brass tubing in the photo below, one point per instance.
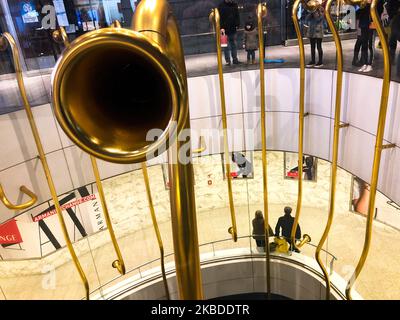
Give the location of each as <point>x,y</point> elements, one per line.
<point>335,147</point>
<point>301,120</point>
<point>43,160</point>
<point>156,229</point>
<point>60,36</point>
<point>21,206</point>
<point>119,264</point>
<point>262,12</point>
<point>215,19</point>
<point>378,146</point>
<point>202,146</point>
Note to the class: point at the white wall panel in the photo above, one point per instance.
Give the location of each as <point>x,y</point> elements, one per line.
<point>18,144</point>
<point>318,92</point>
<point>389,175</point>
<point>283,131</point>
<point>281,85</point>
<point>31,174</point>
<point>204,95</point>
<point>392,128</point>
<point>281,128</point>
<point>317,136</point>
<point>356,152</point>
<point>80,166</point>
<point>209,128</point>
<point>361,100</point>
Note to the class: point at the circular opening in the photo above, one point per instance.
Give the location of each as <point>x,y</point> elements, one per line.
<point>112,95</point>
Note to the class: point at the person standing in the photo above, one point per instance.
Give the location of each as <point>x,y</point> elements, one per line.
<point>367,35</point>
<point>258,229</point>
<point>315,32</point>
<point>230,22</point>
<point>250,40</point>
<point>286,224</point>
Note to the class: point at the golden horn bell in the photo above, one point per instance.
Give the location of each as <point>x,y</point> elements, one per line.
<point>306,239</point>
<point>111,87</point>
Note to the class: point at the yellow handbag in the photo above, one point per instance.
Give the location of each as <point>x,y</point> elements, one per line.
<point>281,245</point>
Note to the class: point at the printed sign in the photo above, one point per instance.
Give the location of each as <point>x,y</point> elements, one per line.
<point>9,233</point>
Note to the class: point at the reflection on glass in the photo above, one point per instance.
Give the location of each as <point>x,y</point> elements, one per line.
<point>309,167</point>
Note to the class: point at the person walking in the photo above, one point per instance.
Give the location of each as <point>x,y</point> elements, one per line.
<point>250,40</point>
<point>230,22</point>
<point>286,224</point>
<point>315,33</point>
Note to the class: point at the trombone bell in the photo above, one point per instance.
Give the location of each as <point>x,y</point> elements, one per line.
<point>110,88</point>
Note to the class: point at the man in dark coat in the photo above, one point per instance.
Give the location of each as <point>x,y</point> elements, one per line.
<point>230,22</point>
<point>286,224</point>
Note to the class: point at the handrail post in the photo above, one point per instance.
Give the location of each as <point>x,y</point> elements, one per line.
<point>261,13</point>
<point>301,121</point>
<point>215,20</point>
<point>156,228</point>
<point>335,146</point>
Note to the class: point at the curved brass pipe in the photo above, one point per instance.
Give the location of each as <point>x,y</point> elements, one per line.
<point>335,147</point>
<point>216,22</point>
<point>261,13</point>
<point>119,264</point>
<point>301,120</point>
<point>43,159</point>
<point>378,146</point>
<point>156,229</point>
<point>21,206</point>
<point>61,36</point>
<point>306,239</point>
<point>203,146</point>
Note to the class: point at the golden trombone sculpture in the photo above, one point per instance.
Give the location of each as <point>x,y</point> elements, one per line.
<point>111,87</point>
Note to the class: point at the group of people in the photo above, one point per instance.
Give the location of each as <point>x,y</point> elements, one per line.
<point>314,24</point>
<point>283,228</point>
<point>230,22</point>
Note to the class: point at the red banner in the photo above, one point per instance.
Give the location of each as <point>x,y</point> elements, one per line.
<point>9,233</point>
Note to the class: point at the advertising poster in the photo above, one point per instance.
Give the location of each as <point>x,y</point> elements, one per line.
<point>359,196</point>
<point>241,165</point>
<point>28,12</point>
<point>291,167</point>
<point>37,232</point>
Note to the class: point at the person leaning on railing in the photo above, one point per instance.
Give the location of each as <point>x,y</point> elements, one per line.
<point>286,224</point>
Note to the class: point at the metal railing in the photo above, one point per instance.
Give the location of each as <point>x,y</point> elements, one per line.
<point>139,270</point>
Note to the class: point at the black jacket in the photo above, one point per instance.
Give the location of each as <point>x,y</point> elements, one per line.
<point>286,223</point>
<point>393,7</point>
<point>230,19</point>
<point>364,17</point>
<point>258,229</point>
<point>396,27</point>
